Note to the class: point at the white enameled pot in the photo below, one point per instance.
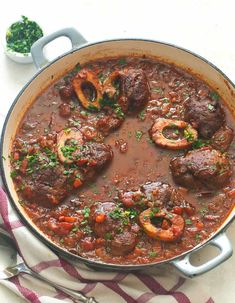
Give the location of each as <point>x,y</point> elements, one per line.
<point>83,52</point>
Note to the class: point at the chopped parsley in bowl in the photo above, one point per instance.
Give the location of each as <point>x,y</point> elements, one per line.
<point>20,36</point>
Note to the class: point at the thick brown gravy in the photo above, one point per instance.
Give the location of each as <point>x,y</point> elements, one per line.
<point>74,219</point>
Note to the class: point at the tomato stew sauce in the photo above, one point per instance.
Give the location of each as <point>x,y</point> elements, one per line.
<point>126,161</point>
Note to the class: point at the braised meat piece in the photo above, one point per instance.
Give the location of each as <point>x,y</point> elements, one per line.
<point>94,155</point>
<point>108,123</point>
<point>66,91</point>
<point>46,185</point>
<point>163,195</point>
<point>205,114</point>
<point>107,221</point>
<point>155,194</point>
<point>132,198</point>
<point>135,88</point>
<point>108,224</point>
<point>205,166</point>
<point>123,243</point>
<point>222,139</point>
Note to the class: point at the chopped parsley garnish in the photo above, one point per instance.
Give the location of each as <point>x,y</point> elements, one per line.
<point>4,158</point>
<point>149,140</point>
<point>67,130</point>
<point>154,211</point>
<point>211,107</point>
<point>13,174</point>
<point>119,113</point>
<point>200,143</point>
<point>87,230</point>
<point>157,90</point>
<point>112,102</point>
<point>122,61</point>
<point>214,96</point>
<point>131,213</point>
<point>86,212</point>
<point>188,135</point>
<point>124,215</point>
<point>84,113</point>
<point>141,115</point>
<point>53,160</point>
<point>92,107</point>
<point>22,34</point>
<point>106,101</point>
<point>197,237</point>
<point>203,211</point>
<point>138,135</point>
<point>176,131</point>
<point>188,222</point>
<point>67,172</point>
<point>152,254</point>
<point>169,215</point>
<point>165,100</point>
<point>84,222</point>
<point>77,68</point>
<point>74,229</point>
<point>108,236</point>
<point>69,149</point>
<point>117,213</point>
<point>32,161</point>
<point>102,77</point>
<point>73,122</point>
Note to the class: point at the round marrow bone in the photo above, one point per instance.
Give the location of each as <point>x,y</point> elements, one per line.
<point>109,86</point>
<point>156,133</point>
<point>172,233</point>
<point>62,137</point>
<point>87,77</point>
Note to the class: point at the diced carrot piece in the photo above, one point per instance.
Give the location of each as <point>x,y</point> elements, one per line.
<point>24,165</point>
<point>63,228</point>
<point>66,225</point>
<point>189,210</point>
<point>199,225</point>
<point>77,183</point>
<point>165,224</point>
<point>16,156</point>
<point>231,193</point>
<point>176,230</point>
<point>178,210</point>
<point>138,251</point>
<point>69,241</point>
<point>100,218</point>
<point>82,161</point>
<point>99,242</point>
<point>128,202</point>
<point>70,219</point>
<point>87,245</point>
<point>61,218</point>
<point>28,192</point>
<point>53,200</point>
<point>31,150</point>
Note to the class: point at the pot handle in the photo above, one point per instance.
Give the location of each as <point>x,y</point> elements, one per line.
<point>37,48</point>
<point>190,271</point>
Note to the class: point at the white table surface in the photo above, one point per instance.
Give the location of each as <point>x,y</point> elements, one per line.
<point>205,26</point>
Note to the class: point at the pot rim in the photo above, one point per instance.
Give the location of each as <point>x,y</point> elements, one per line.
<point>43,238</point>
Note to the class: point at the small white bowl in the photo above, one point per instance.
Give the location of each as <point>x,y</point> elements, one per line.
<point>23,58</point>
<point>18,57</point>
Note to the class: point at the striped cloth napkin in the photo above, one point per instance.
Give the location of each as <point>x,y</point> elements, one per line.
<point>159,284</point>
